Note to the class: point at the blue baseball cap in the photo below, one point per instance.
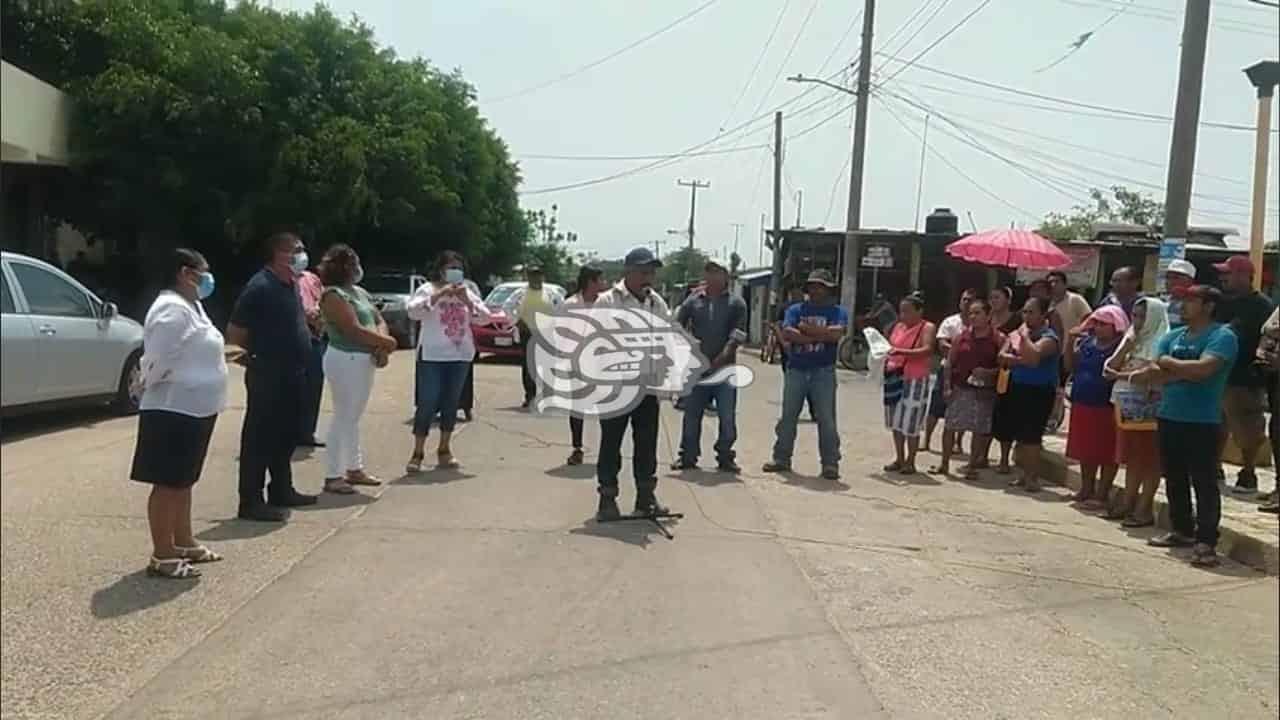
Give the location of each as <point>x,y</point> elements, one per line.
<point>642,257</point>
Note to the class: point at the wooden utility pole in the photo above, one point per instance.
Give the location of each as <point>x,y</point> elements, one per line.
<point>693,201</point>
<point>1182,147</point>
<point>1264,76</point>
<point>737,231</point>
<point>853,222</point>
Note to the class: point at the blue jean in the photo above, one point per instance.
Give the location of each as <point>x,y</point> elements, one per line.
<point>817,386</point>
<point>725,398</point>
<point>439,387</point>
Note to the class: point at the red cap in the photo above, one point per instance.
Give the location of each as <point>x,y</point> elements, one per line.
<point>1234,264</point>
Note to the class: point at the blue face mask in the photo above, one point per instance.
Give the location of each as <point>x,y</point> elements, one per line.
<point>205,285</point>
<point>453,276</point>
<point>299,262</point>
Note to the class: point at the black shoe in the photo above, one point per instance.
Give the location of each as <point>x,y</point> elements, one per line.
<point>684,465</point>
<point>310,442</point>
<point>575,457</point>
<point>647,505</point>
<point>468,416</point>
<point>293,499</point>
<point>729,466</point>
<point>261,512</point>
<point>777,467</point>
<point>1246,483</point>
<point>608,510</point>
<point>1171,540</point>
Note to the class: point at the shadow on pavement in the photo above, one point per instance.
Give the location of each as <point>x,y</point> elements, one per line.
<point>706,478</point>
<point>586,471</point>
<point>24,427</point>
<point>237,529</point>
<point>137,591</point>
<point>900,480</point>
<point>638,532</point>
<point>434,476</point>
<point>332,501</point>
<point>813,482</point>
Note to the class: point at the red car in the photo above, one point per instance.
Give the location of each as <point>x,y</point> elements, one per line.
<point>498,336</point>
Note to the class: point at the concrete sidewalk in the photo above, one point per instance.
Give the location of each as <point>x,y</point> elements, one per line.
<point>1247,536</point>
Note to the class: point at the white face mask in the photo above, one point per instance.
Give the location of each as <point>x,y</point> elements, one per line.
<point>299,262</point>
<point>453,276</point>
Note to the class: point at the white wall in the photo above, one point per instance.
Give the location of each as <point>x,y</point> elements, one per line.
<point>34,119</point>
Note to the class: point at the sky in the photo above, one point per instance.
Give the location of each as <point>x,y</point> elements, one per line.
<point>991,156</point>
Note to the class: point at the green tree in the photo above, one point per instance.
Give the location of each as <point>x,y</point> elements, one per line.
<point>551,248</point>
<point>682,266</point>
<point>212,124</point>
<point>1122,206</point>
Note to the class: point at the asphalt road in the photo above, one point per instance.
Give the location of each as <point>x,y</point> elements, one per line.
<point>489,593</point>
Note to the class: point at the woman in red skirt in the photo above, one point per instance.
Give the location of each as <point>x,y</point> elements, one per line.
<point>1091,439</point>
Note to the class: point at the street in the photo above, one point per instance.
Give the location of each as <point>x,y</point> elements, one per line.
<point>489,592</point>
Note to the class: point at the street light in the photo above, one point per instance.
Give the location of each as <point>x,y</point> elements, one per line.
<point>1264,76</point>
<point>798,78</point>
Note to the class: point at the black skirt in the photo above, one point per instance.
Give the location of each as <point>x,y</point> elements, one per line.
<point>171,448</point>
<point>1022,413</point>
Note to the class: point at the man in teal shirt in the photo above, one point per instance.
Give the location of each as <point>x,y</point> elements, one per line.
<point>1194,361</point>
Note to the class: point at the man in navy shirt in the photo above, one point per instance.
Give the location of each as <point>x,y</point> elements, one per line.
<point>813,329</point>
<point>269,323</point>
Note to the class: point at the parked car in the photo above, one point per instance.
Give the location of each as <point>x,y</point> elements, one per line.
<point>499,336</point>
<point>391,292</point>
<point>61,344</point>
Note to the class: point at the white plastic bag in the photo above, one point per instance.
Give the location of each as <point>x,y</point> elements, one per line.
<point>877,353</point>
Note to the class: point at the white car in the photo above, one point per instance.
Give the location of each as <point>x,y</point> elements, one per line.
<point>60,344</point>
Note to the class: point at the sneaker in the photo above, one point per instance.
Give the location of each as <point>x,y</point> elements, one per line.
<point>683,464</point>
<point>776,467</point>
<point>729,466</point>
<point>1171,540</point>
<point>292,499</point>
<point>647,505</point>
<point>261,512</point>
<point>1203,555</point>
<point>575,457</point>
<point>830,472</point>
<point>608,510</point>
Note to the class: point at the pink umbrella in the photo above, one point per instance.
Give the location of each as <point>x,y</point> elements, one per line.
<point>1010,248</point>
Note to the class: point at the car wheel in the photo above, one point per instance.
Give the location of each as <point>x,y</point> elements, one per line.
<point>852,353</point>
<point>128,395</point>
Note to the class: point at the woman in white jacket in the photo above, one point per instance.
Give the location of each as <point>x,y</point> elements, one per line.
<point>447,308</point>
<point>184,377</point>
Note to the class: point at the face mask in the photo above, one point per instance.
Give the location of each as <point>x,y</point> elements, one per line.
<point>453,276</point>
<point>357,276</point>
<point>205,285</point>
<point>299,262</point>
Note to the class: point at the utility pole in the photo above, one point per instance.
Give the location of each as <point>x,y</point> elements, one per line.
<point>1264,76</point>
<point>849,273</point>
<point>1182,147</point>
<point>775,278</point>
<point>799,204</point>
<point>693,201</point>
<point>760,255</point>
<point>657,247</point>
<point>737,230</point>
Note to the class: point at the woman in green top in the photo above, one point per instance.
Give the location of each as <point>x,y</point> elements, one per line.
<point>358,342</point>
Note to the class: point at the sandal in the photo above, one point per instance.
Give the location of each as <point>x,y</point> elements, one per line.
<point>172,569</point>
<point>197,554</point>
<point>939,470</point>
<point>338,486</point>
<point>446,460</point>
<point>360,477</point>
<point>1017,481</point>
<point>414,465</point>
<point>1117,513</point>
<point>894,466</point>
<point>1137,522</point>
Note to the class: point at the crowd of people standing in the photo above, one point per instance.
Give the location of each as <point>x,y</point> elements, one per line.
<point>1156,387</point>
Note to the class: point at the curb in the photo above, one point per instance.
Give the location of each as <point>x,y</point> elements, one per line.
<point>1245,549</point>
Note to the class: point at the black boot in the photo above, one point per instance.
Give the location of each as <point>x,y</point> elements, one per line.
<point>261,512</point>
<point>607,510</point>
<point>647,504</point>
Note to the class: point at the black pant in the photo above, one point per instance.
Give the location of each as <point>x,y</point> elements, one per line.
<point>1189,452</point>
<point>313,389</point>
<point>526,377</point>
<point>269,434</point>
<point>644,443</point>
<point>575,431</point>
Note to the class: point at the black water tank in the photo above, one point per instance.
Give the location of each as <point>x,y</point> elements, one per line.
<point>942,222</point>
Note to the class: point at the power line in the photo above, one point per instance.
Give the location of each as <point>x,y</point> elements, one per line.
<point>759,59</point>
<point>1086,37</point>
<point>787,58</point>
<point>940,7</point>
<point>1225,24</point>
<point>936,153</point>
<point>963,21</point>
<point>1064,101</point>
<point>653,156</point>
<point>602,60</point>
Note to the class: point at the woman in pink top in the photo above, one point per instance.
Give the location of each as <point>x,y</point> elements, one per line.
<point>908,382</point>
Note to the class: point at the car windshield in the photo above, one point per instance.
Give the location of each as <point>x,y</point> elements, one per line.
<point>500,295</point>
<point>386,284</point>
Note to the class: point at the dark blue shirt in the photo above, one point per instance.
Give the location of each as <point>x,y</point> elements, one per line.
<point>271,310</point>
<point>814,355</point>
<point>1088,386</point>
<point>1045,373</point>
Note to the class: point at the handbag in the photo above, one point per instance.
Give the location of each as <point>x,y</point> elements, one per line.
<point>895,379</point>
<point>1135,405</point>
<point>1002,381</point>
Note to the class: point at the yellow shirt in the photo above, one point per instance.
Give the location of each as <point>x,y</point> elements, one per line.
<point>534,302</point>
